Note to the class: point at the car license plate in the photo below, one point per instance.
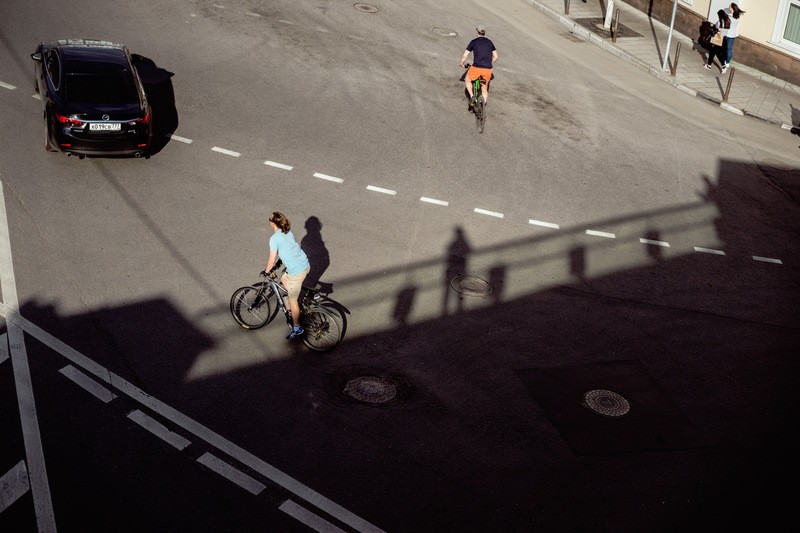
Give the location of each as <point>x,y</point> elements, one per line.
<point>105,126</point>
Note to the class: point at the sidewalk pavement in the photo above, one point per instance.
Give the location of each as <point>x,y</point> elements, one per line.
<point>751,93</point>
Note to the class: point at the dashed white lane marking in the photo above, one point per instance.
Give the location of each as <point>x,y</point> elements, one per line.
<point>158,429</point>
<point>87,383</point>
<point>278,165</point>
<point>225,151</point>
<point>487,212</point>
<point>7,86</point>
<point>235,475</point>
<point>218,6</point>
<point>767,260</point>
<point>605,234</point>
<point>13,484</point>
<point>31,437</point>
<point>282,21</point>
<point>308,518</point>
<point>36,96</point>
<point>252,14</point>
<point>434,201</point>
<point>329,178</point>
<point>654,243</point>
<point>380,190</point>
<point>179,138</point>
<point>181,420</point>
<point>708,250</point>
<point>545,224</point>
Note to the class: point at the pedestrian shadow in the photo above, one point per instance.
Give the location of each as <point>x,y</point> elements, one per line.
<point>319,257</point>
<point>457,253</point>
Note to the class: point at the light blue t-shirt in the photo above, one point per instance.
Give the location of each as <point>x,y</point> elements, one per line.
<point>293,257</point>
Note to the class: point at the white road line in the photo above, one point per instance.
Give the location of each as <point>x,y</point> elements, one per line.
<point>158,429</point>
<point>708,250</point>
<point>434,201</point>
<point>282,21</point>
<point>767,260</point>
<point>601,234</point>
<point>3,347</point>
<point>179,138</point>
<point>13,484</point>
<point>36,96</point>
<point>87,383</point>
<point>329,178</point>
<point>278,165</point>
<point>187,424</point>
<point>252,14</point>
<point>490,213</point>
<point>40,486</point>
<point>308,518</point>
<point>226,152</point>
<point>7,86</point>
<point>655,243</point>
<point>380,189</point>
<point>545,224</point>
<point>235,475</point>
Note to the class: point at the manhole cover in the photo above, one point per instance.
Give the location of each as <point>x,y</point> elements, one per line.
<point>445,32</point>
<point>366,8</point>
<point>606,403</point>
<point>471,286</point>
<point>371,389</point>
<point>777,164</point>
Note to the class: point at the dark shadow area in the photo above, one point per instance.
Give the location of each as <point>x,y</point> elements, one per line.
<point>158,88</point>
<point>487,423</point>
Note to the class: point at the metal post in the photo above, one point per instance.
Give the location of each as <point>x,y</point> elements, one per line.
<point>669,36</point>
<point>614,27</point>
<point>728,87</point>
<point>674,68</point>
<point>566,7</point>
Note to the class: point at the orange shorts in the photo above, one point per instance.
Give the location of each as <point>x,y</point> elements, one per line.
<point>476,72</point>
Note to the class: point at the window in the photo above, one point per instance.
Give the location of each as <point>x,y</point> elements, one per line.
<point>52,65</point>
<point>786,32</point>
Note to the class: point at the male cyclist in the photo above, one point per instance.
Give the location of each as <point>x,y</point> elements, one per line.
<point>484,56</point>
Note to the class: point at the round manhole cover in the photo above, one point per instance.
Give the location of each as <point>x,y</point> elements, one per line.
<point>371,389</point>
<point>444,32</point>
<point>776,164</point>
<point>366,8</point>
<point>606,403</point>
<point>471,286</point>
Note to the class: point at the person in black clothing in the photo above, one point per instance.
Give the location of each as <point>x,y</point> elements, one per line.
<point>484,57</point>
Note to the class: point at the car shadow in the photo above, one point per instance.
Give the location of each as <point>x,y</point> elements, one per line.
<point>157,84</point>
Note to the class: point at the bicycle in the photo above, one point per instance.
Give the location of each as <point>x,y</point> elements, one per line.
<point>251,308</point>
<point>478,105</point>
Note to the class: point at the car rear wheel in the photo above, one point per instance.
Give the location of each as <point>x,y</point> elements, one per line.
<point>47,145</point>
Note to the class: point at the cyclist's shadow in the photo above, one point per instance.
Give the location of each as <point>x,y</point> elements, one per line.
<point>457,253</point>
<point>317,253</point>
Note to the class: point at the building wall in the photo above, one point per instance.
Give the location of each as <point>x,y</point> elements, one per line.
<point>753,47</point>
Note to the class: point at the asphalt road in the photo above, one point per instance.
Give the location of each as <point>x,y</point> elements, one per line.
<point>623,236</point>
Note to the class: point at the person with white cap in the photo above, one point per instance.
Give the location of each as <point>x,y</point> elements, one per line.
<point>484,56</point>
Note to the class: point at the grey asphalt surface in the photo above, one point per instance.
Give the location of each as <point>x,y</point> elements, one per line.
<point>131,263</point>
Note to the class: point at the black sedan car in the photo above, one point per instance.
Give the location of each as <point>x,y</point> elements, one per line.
<point>94,102</point>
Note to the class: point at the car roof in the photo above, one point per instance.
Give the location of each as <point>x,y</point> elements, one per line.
<point>86,54</point>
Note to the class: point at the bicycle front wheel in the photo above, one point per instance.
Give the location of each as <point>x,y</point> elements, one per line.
<point>322,330</point>
<point>480,114</point>
<point>250,307</point>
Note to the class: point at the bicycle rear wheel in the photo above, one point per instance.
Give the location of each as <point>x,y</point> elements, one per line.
<point>480,114</point>
<point>250,307</point>
<point>322,329</point>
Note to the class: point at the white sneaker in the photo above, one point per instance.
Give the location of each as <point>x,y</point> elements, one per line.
<point>724,68</point>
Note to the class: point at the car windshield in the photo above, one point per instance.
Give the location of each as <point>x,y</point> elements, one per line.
<point>98,88</point>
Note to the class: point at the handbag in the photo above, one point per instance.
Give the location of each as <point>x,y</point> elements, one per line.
<point>717,39</point>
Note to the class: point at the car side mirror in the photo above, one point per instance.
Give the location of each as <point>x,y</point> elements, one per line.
<point>36,56</point>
